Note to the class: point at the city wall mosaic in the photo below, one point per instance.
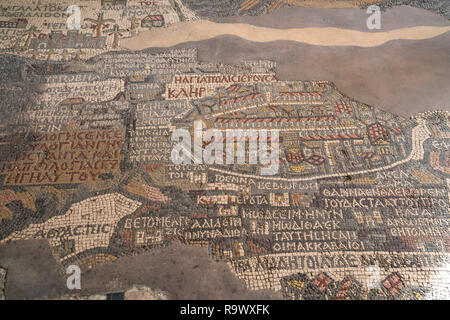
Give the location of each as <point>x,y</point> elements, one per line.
<point>85,161</point>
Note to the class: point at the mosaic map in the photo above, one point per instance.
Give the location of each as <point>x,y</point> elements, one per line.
<point>359,205</point>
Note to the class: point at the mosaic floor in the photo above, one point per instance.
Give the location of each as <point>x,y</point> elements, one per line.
<point>359,206</point>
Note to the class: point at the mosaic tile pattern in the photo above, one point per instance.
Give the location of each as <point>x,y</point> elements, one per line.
<point>393,287</point>
<point>358,210</point>
<point>38,29</point>
<point>441,7</point>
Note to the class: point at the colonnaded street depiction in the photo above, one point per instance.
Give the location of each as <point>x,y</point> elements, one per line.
<point>244,149</point>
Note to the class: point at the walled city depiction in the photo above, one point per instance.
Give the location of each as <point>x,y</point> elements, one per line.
<point>284,140</point>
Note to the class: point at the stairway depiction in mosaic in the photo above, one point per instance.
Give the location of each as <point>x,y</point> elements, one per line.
<point>86,163</point>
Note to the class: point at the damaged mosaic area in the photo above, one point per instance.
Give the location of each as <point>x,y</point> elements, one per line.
<point>2,283</point>
<point>358,210</point>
